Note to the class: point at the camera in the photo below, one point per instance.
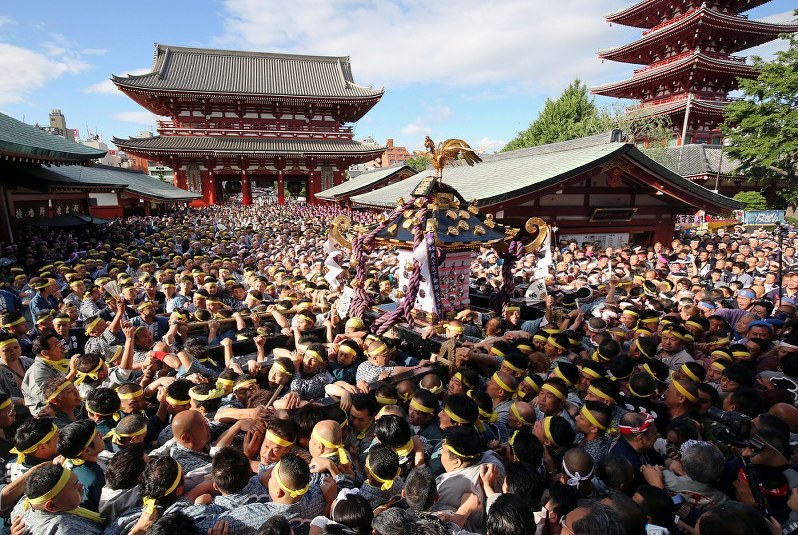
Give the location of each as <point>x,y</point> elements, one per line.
<point>736,428</point>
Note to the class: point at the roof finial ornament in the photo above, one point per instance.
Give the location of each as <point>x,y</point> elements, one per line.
<point>449,150</point>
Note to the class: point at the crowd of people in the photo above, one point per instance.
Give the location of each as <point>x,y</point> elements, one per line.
<point>196,372</point>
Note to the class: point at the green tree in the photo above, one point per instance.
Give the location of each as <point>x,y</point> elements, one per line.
<point>419,163</point>
<point>572,115</point>
<point>753,200</point>
<point>762,128</point>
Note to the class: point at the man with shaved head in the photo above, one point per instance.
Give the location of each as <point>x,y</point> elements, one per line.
<point>329,453</point>
<point>192,434</point>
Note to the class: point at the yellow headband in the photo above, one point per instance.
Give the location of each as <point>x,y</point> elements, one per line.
<point>640,348</point>
<point>684,392</point>
<point>45,317</point>
<point>57,391</point>
<point>91,374</point>
<point>291,492</point>
<point>551,341</point>
<point>272,437</point>
<point>590,372</point>
<point>5,404</point>
<point>355,323</point>
<point>454,417</point>
<point>114,415</point>
<point>721,354</point>
<point>695,324</point>
<point>92,324</point>
<point>592,419</point>
<point>558,372</point>
<point>116,437</point>
<point>52,493</point>
<point>62,320</point>
<point>547,431</point>
<point>225,382</point>
<point>416,405</point>
<point>131,395</point>
<point>496,351</point>
<point>214,393</point>
<point>380,349</point>
<point>281,368</point>
<point>718,365</point>
<point>554,390</point>
<point>686,370</point>
<point>451,449</point>
<point>454,328</point>
<point>6,343</point>
<point>342,458</point>
<point>386,401</point>
<point>459,377</point>
<point>347,349</point>
<point>502,384</point>
<point>517,414</point>
<point>386,484</point>
<point>30,449</point>
<point>528,380</point>
<point>407,449</point>
<point>512,309</point>
<point>149,501</point>
<point>15,322</point>
<point>632,391</point>
<point>598,393</point>
<point>512,366</point>
<point>177,402</point>
<point>437,389</point>
<point>315,354</point>
<point>244,384</point>
<point>522,347</point>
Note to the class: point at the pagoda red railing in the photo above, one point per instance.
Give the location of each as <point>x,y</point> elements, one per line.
<point>712,97</point>
<point>172,128</point>
<point>678,57</point>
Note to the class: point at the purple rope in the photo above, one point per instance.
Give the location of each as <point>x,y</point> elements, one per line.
<point>361,301</point>
<point>405,309</point>
<point>515,251</point>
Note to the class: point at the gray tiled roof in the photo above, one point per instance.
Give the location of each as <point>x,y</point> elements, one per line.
<point>504,176</point>
<point>26,141</point>
<point>248,145</point>
<point>230,71</point>
<point>696,160</point>
<point>363,181</point>
<point>105,176</point>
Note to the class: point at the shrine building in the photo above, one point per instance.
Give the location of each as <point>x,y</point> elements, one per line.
<point>238,119</point>
<point>688,63</point>
<point>597,188</point>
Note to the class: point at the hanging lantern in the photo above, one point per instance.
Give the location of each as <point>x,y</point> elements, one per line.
<point>232,187</point>
<point>295,188</point>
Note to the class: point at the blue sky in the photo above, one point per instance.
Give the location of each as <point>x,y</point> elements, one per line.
<point>473,69</point>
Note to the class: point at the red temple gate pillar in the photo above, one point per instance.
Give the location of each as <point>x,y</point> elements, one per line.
<point>209,188</point>
<point>314,183</point>
<point>180,179</point>
<point>280,187</point>
<point>246,189</point>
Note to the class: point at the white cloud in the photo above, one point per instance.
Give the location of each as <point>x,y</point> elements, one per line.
<point>468,43</point>
<point>6,20</point>
<point>417,127</point>
<point>489,145</point>
<point>137,117</point>
<point>25,70</point>
<point>433,116</point>
<point>107,87</point>
<point>786,17</point>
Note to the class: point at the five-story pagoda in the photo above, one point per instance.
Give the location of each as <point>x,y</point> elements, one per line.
<point>244,118</point>
<point>688,49</point>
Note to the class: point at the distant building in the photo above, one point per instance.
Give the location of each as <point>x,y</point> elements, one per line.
<point>393,154</point>
<point>58,125</point>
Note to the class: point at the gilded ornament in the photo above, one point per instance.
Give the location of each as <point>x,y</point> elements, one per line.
<point>406,224</point>
<point>489,222</point>
<point>391,229</point>
<point>409,267</point>
<point>451,231</point>
<point>464,214</point>
<point>462,225</point>
<point>400,202</point>
<point>451,214</point>
<point>448,150</point>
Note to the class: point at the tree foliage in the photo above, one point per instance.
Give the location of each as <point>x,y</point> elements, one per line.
<point>762,128</point>
<point>572,115</point>
<point>419,163</point>
<point>753,200</point>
